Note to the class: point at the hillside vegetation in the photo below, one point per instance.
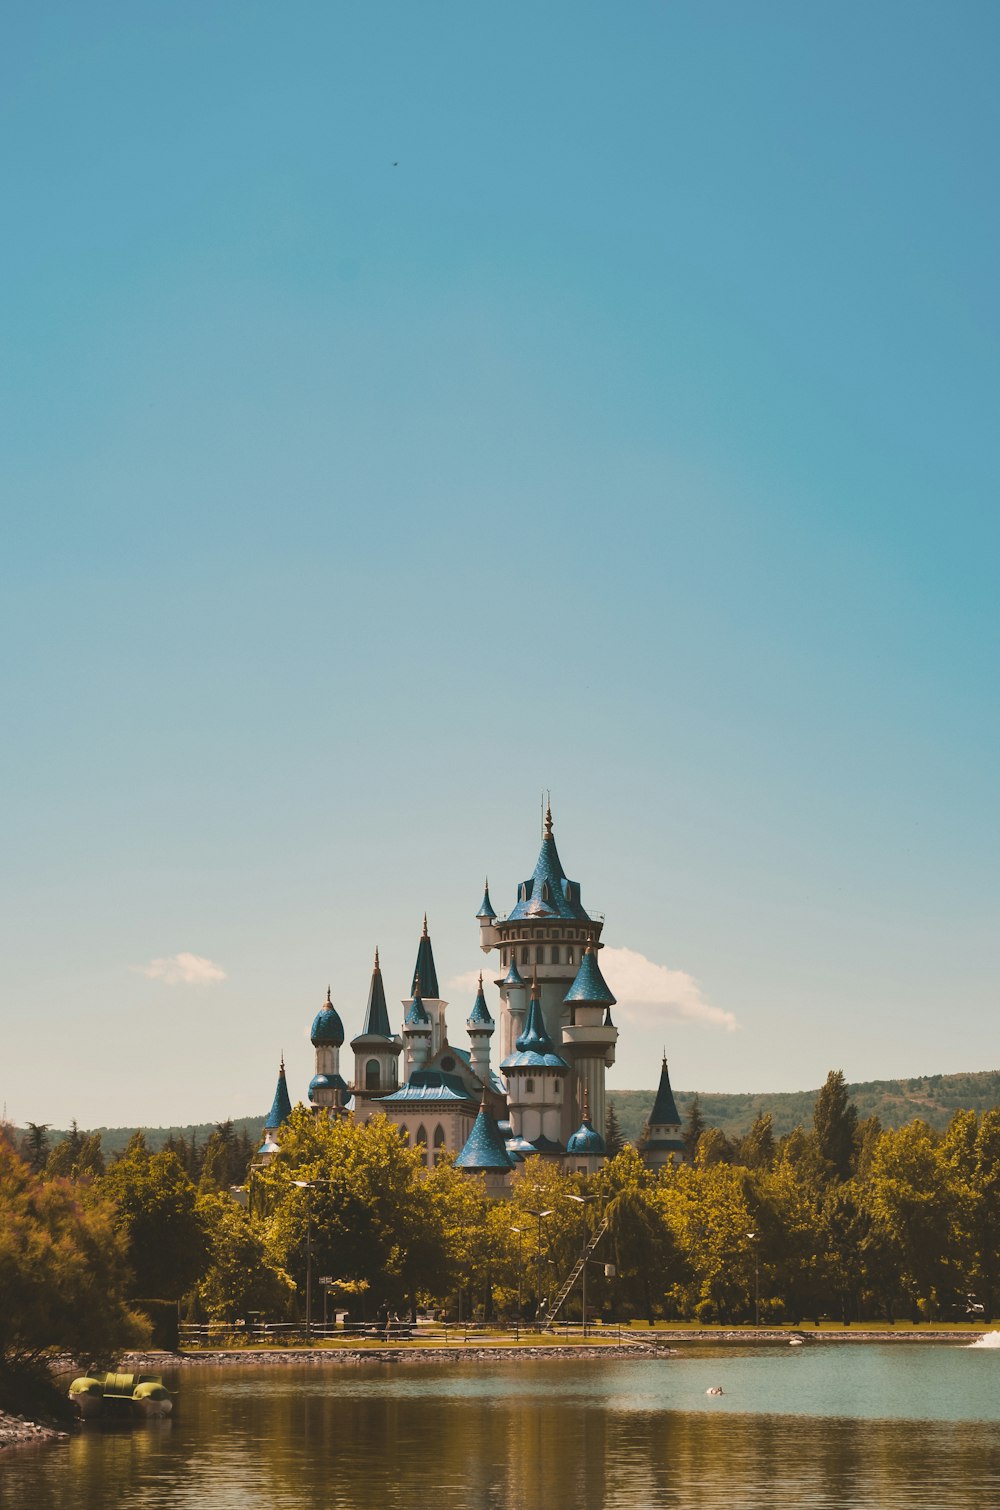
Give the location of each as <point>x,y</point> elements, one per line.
<point>894,1102</point>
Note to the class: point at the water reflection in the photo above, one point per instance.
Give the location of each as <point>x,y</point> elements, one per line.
<point>626,1436</point>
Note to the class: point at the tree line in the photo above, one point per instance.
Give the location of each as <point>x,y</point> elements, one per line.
<point>843,1219</point>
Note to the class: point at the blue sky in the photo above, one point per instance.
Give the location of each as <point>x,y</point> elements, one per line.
<point>407,409</point>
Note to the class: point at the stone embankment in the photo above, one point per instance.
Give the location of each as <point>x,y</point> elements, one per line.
<point>15,1431</point>
<point>390,1355</point>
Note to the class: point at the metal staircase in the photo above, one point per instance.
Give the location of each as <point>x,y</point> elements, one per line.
<point>575,1272</point>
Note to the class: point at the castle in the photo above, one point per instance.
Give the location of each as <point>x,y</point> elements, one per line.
<point>557,1040</point>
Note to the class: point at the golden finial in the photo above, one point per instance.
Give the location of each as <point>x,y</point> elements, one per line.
<point>548,820</point>
<point>329,1002</point>
<point>480,980</point>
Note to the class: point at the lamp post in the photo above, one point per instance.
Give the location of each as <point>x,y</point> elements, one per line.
<point>538,1255</point>
<point>520,1278</point>
<point>755,1239</point>
<point>584,1201</point>
<point>310,1186</point>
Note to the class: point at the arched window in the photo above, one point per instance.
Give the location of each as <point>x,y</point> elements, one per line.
<point>546,892</point>
<point>406,1133</point>
<point>524,956</point>
<point>569,956</point>
<point>503,958</point>
<point>438,1143</point>
<point>529,1084</point>
<point>555,954</point>
<point>540,955</point>
<point>422,1143</point>
<point>372,1075</point>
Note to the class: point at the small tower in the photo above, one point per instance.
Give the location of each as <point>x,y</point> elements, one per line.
<point>417,1032</point>
<point>585,1149</point>
<point>328,1092</point>
<point>487,917</point>
<point>481,1029</point>
<point>376,1048</point>
<point>663,1143</point>
<point>281,1110</point>
<point>535,1076</point>
<point>484,1153</point>
<point>425,973</point>
<point>589,1038</point>
<point>514,990</point>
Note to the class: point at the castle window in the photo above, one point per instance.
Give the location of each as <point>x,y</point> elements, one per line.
<point>539,956</point>
<point>372,1075</point>
<point>422,1143</point>
<point>406,1134</point>
<point>438,1143</point>
<point>529,1085</point>
<point>546,892</point>
<point>555,954</point>
<point>524,956</point>
<point>503,958</point>
<point>569,956</point>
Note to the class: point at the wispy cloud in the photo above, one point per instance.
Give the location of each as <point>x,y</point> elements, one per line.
<point>183,970</point>
<point>462,986</point>
<point>647,991</point>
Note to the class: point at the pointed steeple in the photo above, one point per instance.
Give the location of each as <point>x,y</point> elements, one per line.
<point>484,1148</point>
<point>664,1113</point>
<point>514,980</point>
<point>586,1139</point>
<point>417,1016</point>
<point>590,988</point>
<point>533,1044</point>
<point>424,970</point>
<point>547,893</point>
<point>281,1106</point>
<point>486,913</point>
<point>479,1019</point>
<point>376,1023</point>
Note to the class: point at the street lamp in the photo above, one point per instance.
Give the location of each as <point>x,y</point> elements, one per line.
<point>538,1255</point>
<point>754,1238</point>
<point>309,1185</point>
<point>520,1277</point>
<point>584,1201</point>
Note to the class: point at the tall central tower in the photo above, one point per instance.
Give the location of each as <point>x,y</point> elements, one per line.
<point>545,938</point>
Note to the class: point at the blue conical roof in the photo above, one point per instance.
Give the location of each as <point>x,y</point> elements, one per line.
<point>514,978</point>
<point>281,1106</point>
<point>534,1047</point>
<point>417,1015</point>
<point>377,1014</point>
<point>486,906</point>
<point>480,1017</point>
<point>327,1027</point>
<point>664,1113</point>
<point>484,1147</point>
<point>590,988</point>
<point>547,893</point>
<point>424,971</point>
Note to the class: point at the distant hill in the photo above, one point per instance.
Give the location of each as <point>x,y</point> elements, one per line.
<point>933,1097</point>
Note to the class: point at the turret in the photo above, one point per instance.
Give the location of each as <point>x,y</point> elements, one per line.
<point>535,1076</point>
<point>484,1152</point>
<point>281,1110</point>
<point>663,1142</point>
<point>589,1037</point>
<point>481,1029</point>
<point>487,917</point>
<point>425,972</point>
<point>514,996</point>
<point>376,1048</point>
<point>328,1091</point>
<point>417,1032</point>
<point>585,1149</point>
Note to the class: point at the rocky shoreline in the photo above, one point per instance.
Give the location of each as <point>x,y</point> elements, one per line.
<point>16,1431</point>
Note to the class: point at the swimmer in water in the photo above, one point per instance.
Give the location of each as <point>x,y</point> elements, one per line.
<point>716,1389</point>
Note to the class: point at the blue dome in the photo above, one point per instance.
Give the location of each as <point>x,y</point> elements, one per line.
<point>326,1083</point>
<point>586,1140</point>
<point>327,1027</point>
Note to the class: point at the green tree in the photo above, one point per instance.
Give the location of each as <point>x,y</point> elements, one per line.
<point>78,1155</point>
<point>156,1213</point>
<point>694,1126</point>
<point>240,1277</point>
<point>63,1269</point>
<point>757,1150</point>
<point>614,1138</point>
<point>35,1146</point>
<point>835,1122</point>
<point>912,1202</point>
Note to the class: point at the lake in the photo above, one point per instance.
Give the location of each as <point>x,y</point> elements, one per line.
<point>879,1427</point>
